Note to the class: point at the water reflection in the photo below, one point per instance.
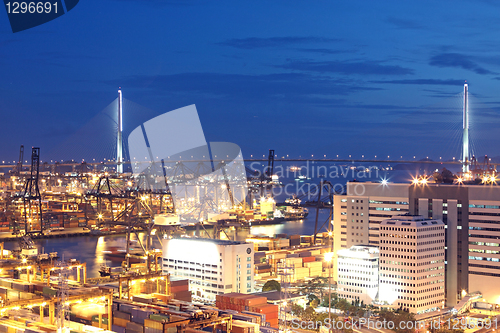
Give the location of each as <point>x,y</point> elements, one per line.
<point>92,250</point>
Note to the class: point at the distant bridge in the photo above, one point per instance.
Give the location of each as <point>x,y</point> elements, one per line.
<point>260,160</point>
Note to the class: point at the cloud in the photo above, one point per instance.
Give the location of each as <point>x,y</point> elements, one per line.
<point>292,87</point>
<point>439,82</point>
<point>457,60</point>
<point>256,42</point>
<point>439,93</point>
<point>348,67</point>
<point>324,51</point>
<point>403,24</point>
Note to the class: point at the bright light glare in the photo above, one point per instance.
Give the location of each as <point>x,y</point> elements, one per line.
<point>328,256</point>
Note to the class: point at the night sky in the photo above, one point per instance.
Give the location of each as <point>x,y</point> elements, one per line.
<point>301,77</point>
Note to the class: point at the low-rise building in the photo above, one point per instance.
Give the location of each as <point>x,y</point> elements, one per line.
<point>358,273</point>
<point>212,266</point>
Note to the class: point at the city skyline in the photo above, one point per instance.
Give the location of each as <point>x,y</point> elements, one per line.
<point>301,79</point>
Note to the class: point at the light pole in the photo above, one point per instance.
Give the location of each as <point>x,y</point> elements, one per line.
<point>329,260</point>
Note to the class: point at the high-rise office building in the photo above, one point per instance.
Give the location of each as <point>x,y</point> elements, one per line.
<point>471,214</point>
<point>412,255</point>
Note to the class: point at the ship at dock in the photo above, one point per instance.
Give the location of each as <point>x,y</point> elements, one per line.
<point>266,212</point>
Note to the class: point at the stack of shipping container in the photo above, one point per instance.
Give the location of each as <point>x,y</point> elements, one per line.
<point>179,289</point>
<point>249,305</point>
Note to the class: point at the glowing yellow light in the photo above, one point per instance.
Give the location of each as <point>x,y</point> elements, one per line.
<point>330,234</point>
<point>328,256</point>
<point>414,181</point>
<point>99,216</point>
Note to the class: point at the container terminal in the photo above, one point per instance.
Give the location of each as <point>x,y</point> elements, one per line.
<point>41,293</point>
<point>53,201</point>
<point>49,295</point>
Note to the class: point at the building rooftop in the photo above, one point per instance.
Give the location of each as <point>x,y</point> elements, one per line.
<point>411,220</point>
<point>359,251</point>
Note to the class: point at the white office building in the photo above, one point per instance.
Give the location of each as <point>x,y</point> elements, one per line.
<point>358,273</point>
<point>358,214</point>
<point>471,214</point>
<point>412,260</point>
<point>212,266</point>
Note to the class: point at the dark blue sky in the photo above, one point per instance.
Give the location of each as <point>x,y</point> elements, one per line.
<point>302,77</point>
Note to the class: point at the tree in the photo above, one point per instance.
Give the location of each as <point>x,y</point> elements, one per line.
<point>271,285</point>
<point>448,176</point>
<point>311,298</point>
<point>309,314</point>
<point>315,286</point>
<point>445,176</point>
<point>297,310</point>
<point>438,178</point>
<point>343,305</point>
<point>397,318</point>
<point>314,303</point>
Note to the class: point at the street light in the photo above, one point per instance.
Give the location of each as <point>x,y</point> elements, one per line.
<point>329,260</point>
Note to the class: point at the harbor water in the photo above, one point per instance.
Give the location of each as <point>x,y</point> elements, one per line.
<point>93,250</point>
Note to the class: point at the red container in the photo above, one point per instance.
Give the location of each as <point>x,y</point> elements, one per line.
<point>255,301</point>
